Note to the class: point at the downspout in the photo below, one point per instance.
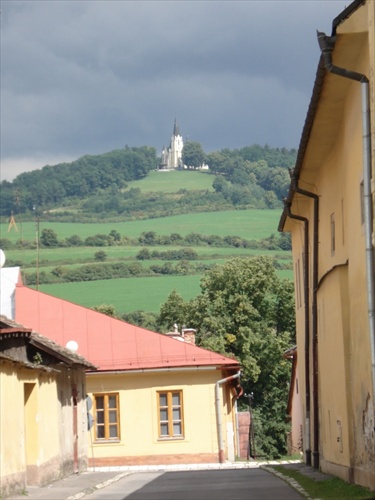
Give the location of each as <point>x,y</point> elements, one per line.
<point>314,317</point>
<point>307,443</point>
<point>218,413</point>
<point>326,45</point>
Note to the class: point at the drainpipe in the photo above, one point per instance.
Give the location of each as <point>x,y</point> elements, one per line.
<point>307,443</point>
<point>314,317</point>
<point>326,45</point>
<point>218,413</point>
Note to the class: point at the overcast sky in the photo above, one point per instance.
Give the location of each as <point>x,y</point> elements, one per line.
<point>86,77</point>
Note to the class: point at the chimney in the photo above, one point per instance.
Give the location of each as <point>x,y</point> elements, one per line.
<point>189,335</point>
<point>175,334</point>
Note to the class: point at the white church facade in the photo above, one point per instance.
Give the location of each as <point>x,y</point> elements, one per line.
<point>171,157</point>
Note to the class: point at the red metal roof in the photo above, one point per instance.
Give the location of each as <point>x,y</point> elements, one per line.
<point>108,343</point>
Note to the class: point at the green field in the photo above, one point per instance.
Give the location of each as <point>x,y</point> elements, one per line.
<point>142,293</point>
<point>248,224</point>
<point>128,294</point>
<point>173,181</point>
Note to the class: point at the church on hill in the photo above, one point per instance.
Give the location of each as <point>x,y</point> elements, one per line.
<point>171,157</point>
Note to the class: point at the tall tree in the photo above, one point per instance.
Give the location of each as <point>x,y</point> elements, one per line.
<point>244,309</point>
<point>193,155</point>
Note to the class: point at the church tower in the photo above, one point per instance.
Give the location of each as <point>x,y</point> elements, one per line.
<point>172,157</point>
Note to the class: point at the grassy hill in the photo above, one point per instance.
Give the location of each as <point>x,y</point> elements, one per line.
<point>140,292</point>
<point>173,181</point>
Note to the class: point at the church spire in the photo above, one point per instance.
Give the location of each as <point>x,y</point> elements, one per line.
<point>176,130</point>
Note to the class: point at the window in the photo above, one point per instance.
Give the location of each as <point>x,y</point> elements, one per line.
<point>107,422</point>
<point>170,414</point>
<point>333,234</point>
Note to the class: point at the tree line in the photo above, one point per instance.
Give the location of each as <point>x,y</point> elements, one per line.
<point>66,182</point>
<point>49,239</point>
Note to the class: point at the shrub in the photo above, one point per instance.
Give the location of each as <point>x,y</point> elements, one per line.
<point>100,256</point>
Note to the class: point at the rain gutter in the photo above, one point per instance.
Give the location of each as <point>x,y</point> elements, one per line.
<point>218,413</point>
<point>155,370</point>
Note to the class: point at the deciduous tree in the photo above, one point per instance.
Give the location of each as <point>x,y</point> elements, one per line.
<point>244,309</point>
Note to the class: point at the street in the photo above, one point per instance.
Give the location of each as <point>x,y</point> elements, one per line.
<point>237,484</point>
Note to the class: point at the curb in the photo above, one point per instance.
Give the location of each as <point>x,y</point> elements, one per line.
<point>287,479</point>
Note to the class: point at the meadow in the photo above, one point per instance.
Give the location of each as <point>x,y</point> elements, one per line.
<point>249,224</point>
<point>131,294</point>
<point>140,293</point>
<point>172,181</point>
<point>126,294</point>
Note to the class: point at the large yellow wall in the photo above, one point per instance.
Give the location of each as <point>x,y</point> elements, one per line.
<point>344,362</point>
<point>29,429</point>
<point>36,425</point>
<point>139,416</point>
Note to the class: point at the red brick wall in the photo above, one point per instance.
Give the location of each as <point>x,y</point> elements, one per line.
<point>198,458</point>
<point>243,427</point>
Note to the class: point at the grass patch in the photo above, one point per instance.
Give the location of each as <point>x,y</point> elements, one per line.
<point>126,294</point>
<point>248,224</point>
<point>333,488</point>
<point>174,181</point>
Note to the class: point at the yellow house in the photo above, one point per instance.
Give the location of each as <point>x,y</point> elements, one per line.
<point>155,398</point>
<point>329,212</point>
<point>43,423</point>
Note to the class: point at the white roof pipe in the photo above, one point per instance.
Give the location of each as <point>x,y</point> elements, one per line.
<point>327,44</point>
<point>218,413</point>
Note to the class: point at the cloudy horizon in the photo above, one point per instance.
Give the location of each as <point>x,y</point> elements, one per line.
<point>87,77</point>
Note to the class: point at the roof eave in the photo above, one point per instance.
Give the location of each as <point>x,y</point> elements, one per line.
<point>310,117</point>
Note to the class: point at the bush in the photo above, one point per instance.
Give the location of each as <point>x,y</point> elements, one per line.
<point>100,256</point>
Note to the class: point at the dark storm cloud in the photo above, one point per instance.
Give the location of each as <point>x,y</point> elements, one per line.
<point>86,77</point>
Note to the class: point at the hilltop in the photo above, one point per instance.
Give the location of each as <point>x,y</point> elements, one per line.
<point>125,184</point>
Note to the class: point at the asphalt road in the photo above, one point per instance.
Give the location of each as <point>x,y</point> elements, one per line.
<point>235,484</point>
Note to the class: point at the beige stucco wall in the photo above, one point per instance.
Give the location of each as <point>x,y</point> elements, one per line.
<point>29,428</point>
<point>36,427</point>
<point>344,361</point>
<point>139,441</point>
<point>67,379</point>
<point>296,432</point>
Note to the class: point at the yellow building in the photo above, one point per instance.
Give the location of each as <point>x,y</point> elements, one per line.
<point>329,212</point>
<point>155,398</point>
<point>43,422</point>
<point>160,417</point>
